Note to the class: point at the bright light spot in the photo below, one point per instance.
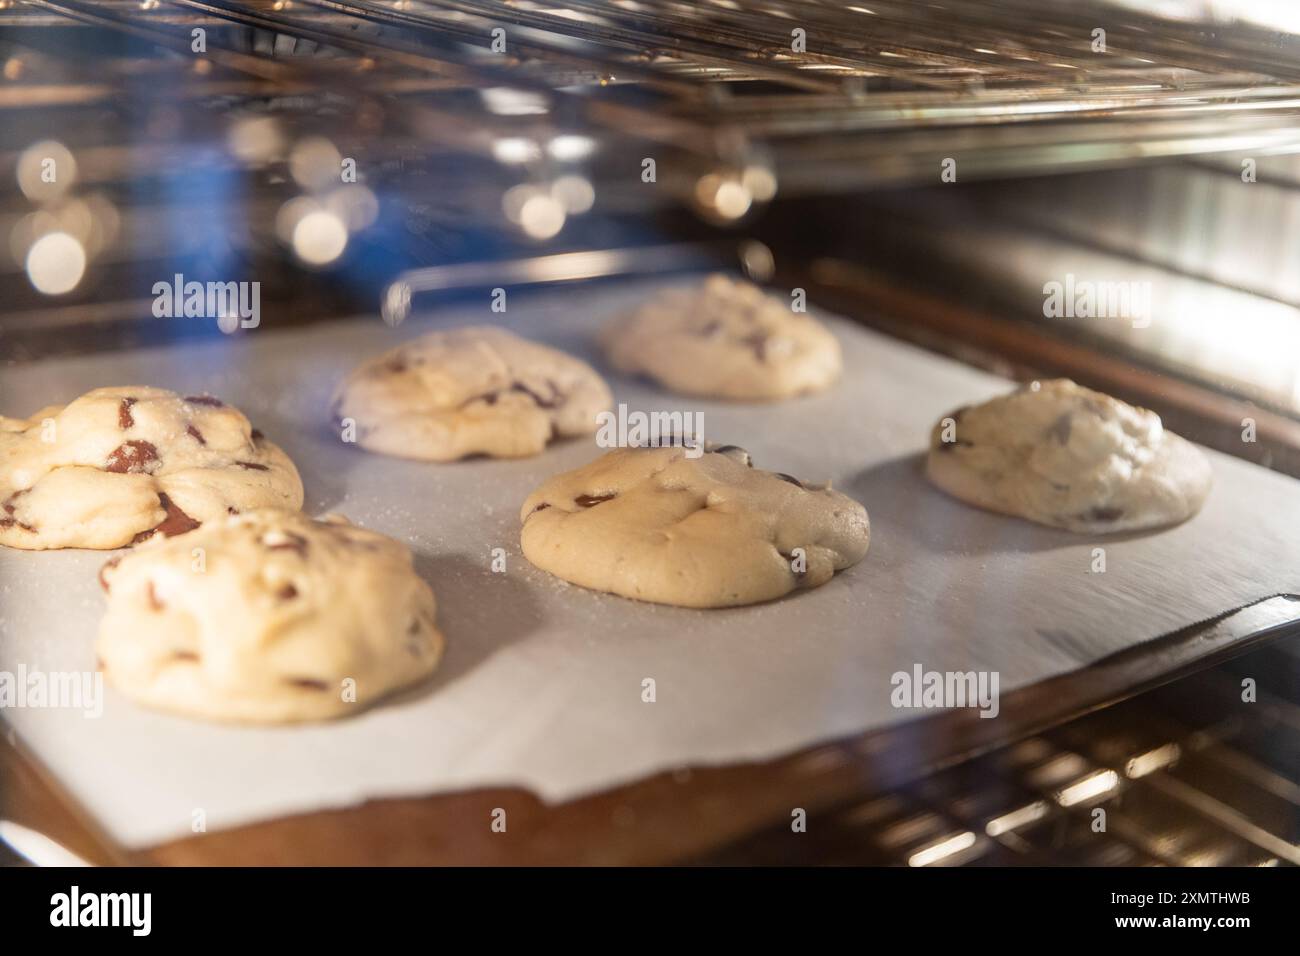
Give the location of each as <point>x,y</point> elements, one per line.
<point>319,238</point>
<point>291,213</point>
<point>56,263</point>
<point>314,162</point>
<point>504,101</point>
<point>571,147</point>
<point>1153,760</point>
<point>726,198</point>
<point>757,260</point>
<point>355,204</point>
<point>1016,818</point>
<point>512,203</point>
<point>13,67</point>
<point>46,170</point>
<point>396,304</point>
<point>574,193</point>
<point>941,850</point>
<point>255,139</point>
<point>515,149</point>
<point>760,181</point>
<point>541,216</point>
<point>1091,786</point>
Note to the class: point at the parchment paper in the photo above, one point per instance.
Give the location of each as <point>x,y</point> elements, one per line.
<point>541,684</point>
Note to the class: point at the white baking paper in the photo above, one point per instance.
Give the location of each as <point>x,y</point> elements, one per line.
<point>541,686</point>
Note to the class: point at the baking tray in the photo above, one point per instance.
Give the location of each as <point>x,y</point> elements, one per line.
<point>943,585</point>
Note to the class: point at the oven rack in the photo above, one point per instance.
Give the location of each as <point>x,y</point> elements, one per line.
<point>882,93</point>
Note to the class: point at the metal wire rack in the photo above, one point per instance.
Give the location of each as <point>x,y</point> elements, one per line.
<point>819,95</point>
<point>203,132</point>
<point>1186,775</point>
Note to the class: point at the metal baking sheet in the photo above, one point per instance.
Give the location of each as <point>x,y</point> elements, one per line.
<point>541,686</point>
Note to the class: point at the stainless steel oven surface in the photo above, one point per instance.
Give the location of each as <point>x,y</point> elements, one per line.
<point>245,200</point>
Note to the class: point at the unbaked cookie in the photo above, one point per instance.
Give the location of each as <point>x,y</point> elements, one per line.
<point>475,390</point>
<point>1069,457</point>
<point>724,339</point>
<point>268,617</point>
<point>711,531</point>
<point>119,464</point>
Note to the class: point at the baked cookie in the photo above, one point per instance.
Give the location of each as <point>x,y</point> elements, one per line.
<point>268,617</point>
<point>710,531</point>
<point>119,464</point>
<point>724,339</point>
<point>478,390</point>
<point>1071,458</point>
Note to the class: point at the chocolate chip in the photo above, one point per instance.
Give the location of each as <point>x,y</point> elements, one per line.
<point>150,593</point>
<point>758,343</point>
<point>287,592</point>
<point>540,402</point>
<point>790,478</point>
<point>11,522</point>
<point>196,434</point>
<point>1060,429</point>
<point>589,501</point>
<point>396,365</point>
<point>131,457</point>
<point>184,656</point>
<point>232,510</point>
<point>108,566</point>
<point>124,418</point>
<point>306,683</point>
<point>734,452</point>
<point>176,521</point>
<point>252,466</point>
<point>205,400</point>
<point>1104,514</point>
<point>257,434</point>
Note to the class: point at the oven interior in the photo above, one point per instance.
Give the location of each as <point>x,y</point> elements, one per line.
<point>804,142</point>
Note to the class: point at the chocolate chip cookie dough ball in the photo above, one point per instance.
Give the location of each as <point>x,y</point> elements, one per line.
<point>724,339</point>
<point>1066,456</point>
<point>118,465</point>
<point>657,524</point>
<point>475,390</point>
<point>280,619</point>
